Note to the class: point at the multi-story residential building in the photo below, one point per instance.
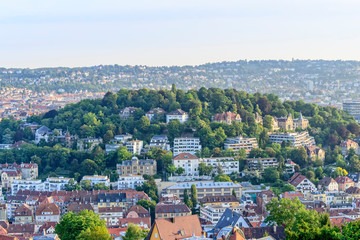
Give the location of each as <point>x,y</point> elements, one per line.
<point>292,195</point>
<point>164,210</point>
<point>160,141</point>
<point>134,146</point>
<point>316,196</point>
<point>8,176</point>
<point>344,182</point>
<point>188,162</point>
<point>77,207</point>
<point>111,147</point>
<point>130,181</point>
<point>137,215</point>
<point>213,212</point>
<point>225,201</point>
<point>112,200</point>
<point>227,164</point>
<point>328,184</point>
<point>288,123</point>
<point>235,144</point>
<point>261,163</point>
<point>289,166</point>
<point>29,170</point>
<point>315,152</point>
<point>111,215</point>
<point>23,184</point>
<point>205,188</point>
<point>3,212</point>
<point>301,183</point>
<point>337,197</point>
<point>156,114</point>
<point>347,144</point>
<point>186,145</point>
<point>352,107</point>
<point>127,112</point>
<point>297,139</point>
<point>355,176</point>
<point>123,138</point>
<point>178,114</point>
<point>42,133</point>
<point>56,183</point>
<point>137,167</point>
<point>97,179</point>
<point>47,212</point>
<point>13,202</point>
<point>23,214</point>
<point>88,144</point>
<point>227,118</point>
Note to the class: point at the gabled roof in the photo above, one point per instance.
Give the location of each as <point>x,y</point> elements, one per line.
<point>326,181</point>
<point>343,180</point>
<point>296,179</point>
<point>48,207</point>
<point>21,228</point>
<point>185,156</point>
<point>142,212</point>
<point>223,198</point>
<point>177,112</point>
<point>229,218</point>
<point>172,208</point>
<point>156,111</point>
<point>353,190</point>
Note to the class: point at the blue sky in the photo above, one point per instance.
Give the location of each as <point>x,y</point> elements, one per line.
<point>45,33</point>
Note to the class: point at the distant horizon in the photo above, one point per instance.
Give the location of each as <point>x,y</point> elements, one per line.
<point>183,65</point>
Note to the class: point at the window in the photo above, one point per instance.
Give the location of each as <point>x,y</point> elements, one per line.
<point>155,235</point>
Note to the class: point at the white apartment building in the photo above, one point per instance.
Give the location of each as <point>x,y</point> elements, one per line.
<point>227,164</point>
<point>56,183</point>
<point>235,144</point>
<point>97,179</point>
<point>188,162</point>
<point>178,114</point>
<point>111,147</point>
<point>256,163</point>
<point>130,181</point>
<point>123,138</point>
<point>352,107</point>
<point>135,146</point>
<point>297,139</point>
<point>29,184</point>
<point>214,212</point>
<point>160,141</point>
<point>186,145</point>
<point>111,215</point>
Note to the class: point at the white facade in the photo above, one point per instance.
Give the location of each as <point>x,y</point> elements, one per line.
<point>235,144</point>
<point>160,141</point>
<point>56,184</point>
<point>135,146</point>
<point>111,217</point>
<point>177,114</point>
<point>97,179</point>
<point>296,139</point>
<point>130,181</point>
<point>186,145</point>
<point>214,212</point>
<point>228,164</point>
<point>31,184</point>
<point>47,217</point>
<point>188,162</point>
<point>111,147</point>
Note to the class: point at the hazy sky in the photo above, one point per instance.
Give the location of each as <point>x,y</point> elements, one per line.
<point>37,33</point>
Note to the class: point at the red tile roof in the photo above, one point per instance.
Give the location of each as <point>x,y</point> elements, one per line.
<point>185,156</point>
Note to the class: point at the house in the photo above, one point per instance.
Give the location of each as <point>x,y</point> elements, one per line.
<point>13,202</point>
<point>227,118</point>
<point>186,145</point>
<point>344,182</point>
<point>347,144</point>
<point>122,139</point>
<point>134,146</point>
<point>3,212</point>
<point>42,133</point>
<point>238,143</point>
<point>29,170</point>
<point>77,207</point>
<point>288,123</point>
<point>258,118</point>
<point>289,167</point>
<point>328,184</point>
<point>88,144</point>
<point>137,167</point>
<point>138,216</point>
<point>230,218</point>
<point>176,228</point>
<point>23,214</point>
<point>160,141</point>
<point>47,212</point>
<point>188,162</point>
<point>21,228</point>
<point>178,114</point>
<point>156,114</point>
<point>48,228</point>
<point>96,179</point>
<point>315,152</point>
<point>130,181</point>
<point>112,200</point>
<point>127,112</point>
<point>301,183</point>
<point>355,177</point>
<point>353,191</point>
<point>111,147</point>
<point>227,164</point>
<point>111,215</point>
<point>8,176</point>
<point>170,210</point>
<point>213,212</point>
<point>276,232</point>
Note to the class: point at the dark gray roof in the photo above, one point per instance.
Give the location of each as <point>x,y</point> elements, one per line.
<point>141,162</point>
<point>112,197</point>
<point>228,218</point>
<point>354,176</point>
<point>159,137</point>
<point>43,130</point>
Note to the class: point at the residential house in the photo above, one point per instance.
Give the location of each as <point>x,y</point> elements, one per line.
<point>353,191</point>
<point>227,164</point>
<point>301,183</point>
<point>176,228</point>
<point>127,112</point>
<point>111,215</point>
<point>290,167</point>
<point>88,144</point>
<point>96,179</point>
<point>23,214</point>
<point>122,139</point>
<point>12,203</point>
<point>347,144</point>
<point>118,199</point>
<point>227,118</point>
<point>186,145</point>
<point>130,181</point>
<point>170,210</point>
<point>292,195</point>
<point>3,212</point>
<point>8,176</point>
<point>138,216</point>
<point>137,167</point>
<point>77,207</point>
<point>20,229</point>
<point>134,146</point>
<point>29,170</point>
<point>328,184</point>
<point>288,123</point>
<point>238,143</point>
<point>178,114</point>
<point>42,133</point>
<point>160,141</point>
<point>230,218</point>
<point>213,212</point>
<point>315,152</point>
<point>355,177</point>
<point>344,182</point>
<point>261,163</point>
<point>156,114</point>
<point>47,212</point>
<point>188,162</point>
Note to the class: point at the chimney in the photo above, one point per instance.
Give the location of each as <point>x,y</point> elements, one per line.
<point>275,228</point>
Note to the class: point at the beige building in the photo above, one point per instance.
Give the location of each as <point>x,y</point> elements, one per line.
<point>135,146</point>
<point>344,182</point>
<point>137,167</point>
<point>8,177</point>
<point>23,214</point>
<point>227,118</point>
<point>315,152</point>
<point>165,210</point>
<point>289,124</point>
<point>328,184</point>
<point>29,170</point>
